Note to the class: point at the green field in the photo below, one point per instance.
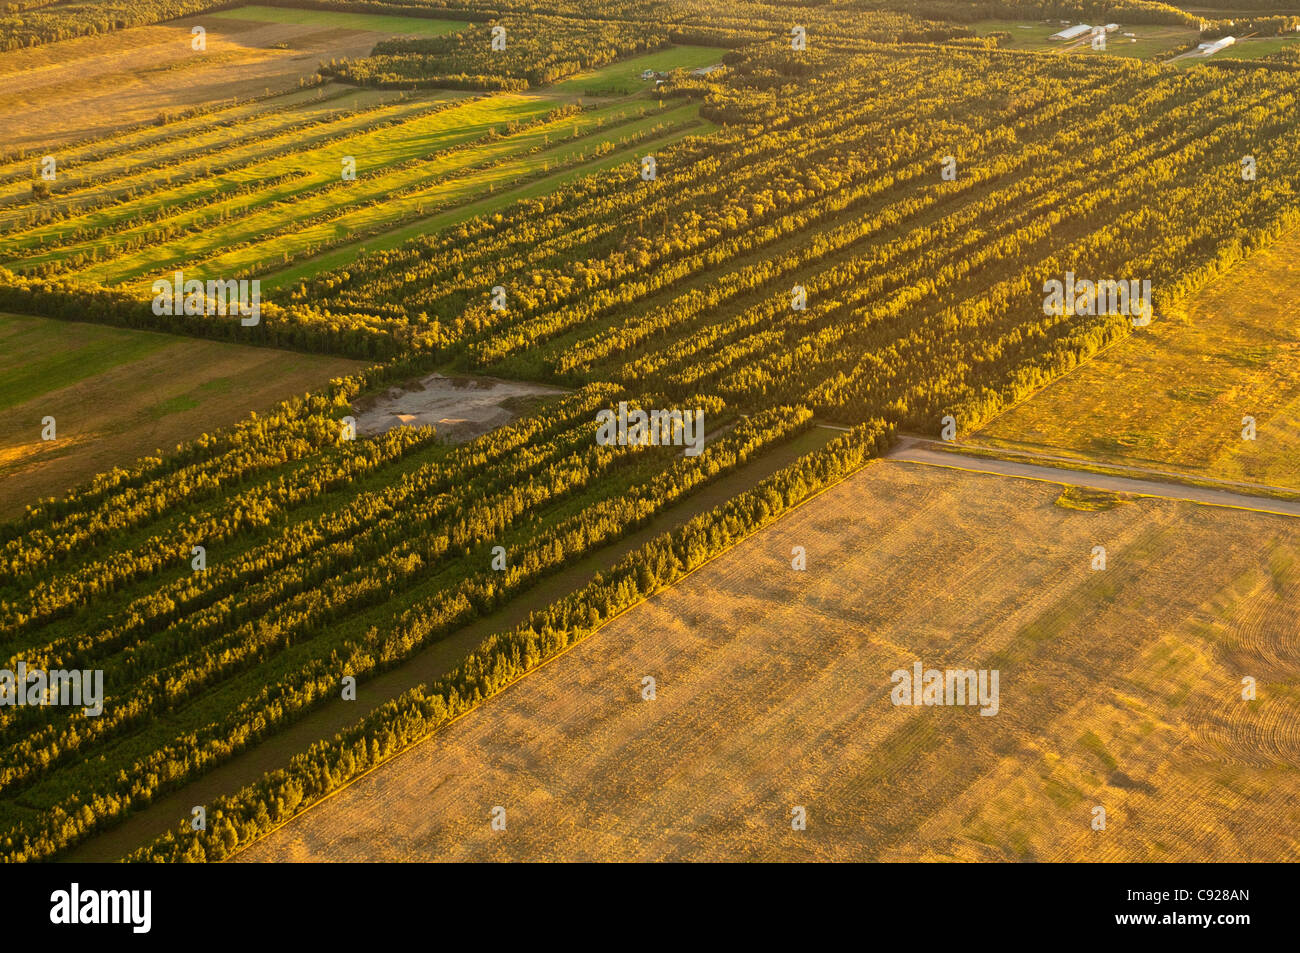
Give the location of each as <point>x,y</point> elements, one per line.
<point>378,23</point>
<point>261,189</point>
<point>36,362</point>
<point>117,395</point>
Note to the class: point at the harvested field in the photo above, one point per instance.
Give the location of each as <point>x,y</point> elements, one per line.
<point>66,91</point>
<point>460,408</point>
<point>117,395</point>
<point>1118,688</point>
<point>1173,395</point>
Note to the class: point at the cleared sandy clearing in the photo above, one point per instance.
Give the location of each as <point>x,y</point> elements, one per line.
<point>1118,688</point>
<point>461,408</point>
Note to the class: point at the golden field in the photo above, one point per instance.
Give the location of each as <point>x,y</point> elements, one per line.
<point>1173,395</point>
<point>1118,688</point>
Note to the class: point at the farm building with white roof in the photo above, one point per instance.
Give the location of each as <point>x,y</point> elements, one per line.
<point>1209,49</point>
<point>1071,33</point>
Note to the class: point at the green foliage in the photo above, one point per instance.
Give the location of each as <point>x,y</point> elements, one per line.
<point>538,51</point>
<point>329,558</point>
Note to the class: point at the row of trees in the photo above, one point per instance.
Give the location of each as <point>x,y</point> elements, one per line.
<point>923,294</point>
<point>238,820</point>
<point>132,177</point>
<point>515,54</point>
<point>170,643</point>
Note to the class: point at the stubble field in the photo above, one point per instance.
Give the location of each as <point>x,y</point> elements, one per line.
<point>1173,395</point>
<point>1119,689</point>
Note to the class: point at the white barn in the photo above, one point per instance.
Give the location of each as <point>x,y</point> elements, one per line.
<point>1209,49</point>
<point>1072,33</point>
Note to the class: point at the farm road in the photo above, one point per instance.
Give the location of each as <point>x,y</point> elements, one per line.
<point>913,450</point>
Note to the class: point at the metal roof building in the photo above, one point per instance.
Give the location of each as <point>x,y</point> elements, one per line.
<point>1072,32</point>
<point>1209,49</point>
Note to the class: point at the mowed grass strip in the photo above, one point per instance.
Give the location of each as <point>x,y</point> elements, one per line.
<point>154,190</point>
<point>1116,688</point>
<point>116,395</point>
<point>1173,395</point>
<point>495,201</point>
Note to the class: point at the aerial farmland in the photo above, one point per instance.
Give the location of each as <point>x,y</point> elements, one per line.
<point>853,432</point>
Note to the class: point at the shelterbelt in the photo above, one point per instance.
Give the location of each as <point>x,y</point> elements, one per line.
<point>656,428</point>
<point>177,295</point>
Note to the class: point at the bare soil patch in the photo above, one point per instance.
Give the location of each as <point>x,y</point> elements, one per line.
<point>460,408</point>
